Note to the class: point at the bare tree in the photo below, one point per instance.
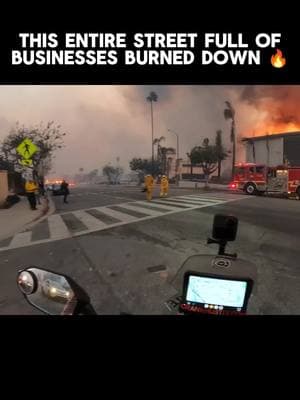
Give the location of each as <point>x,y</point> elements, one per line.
<point>112,173</point>
<point>47,137</point>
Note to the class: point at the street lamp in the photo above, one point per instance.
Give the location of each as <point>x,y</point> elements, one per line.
<point>177,152</point>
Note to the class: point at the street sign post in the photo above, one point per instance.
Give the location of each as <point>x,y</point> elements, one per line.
<point>27,149</point>
<point>26,163</point>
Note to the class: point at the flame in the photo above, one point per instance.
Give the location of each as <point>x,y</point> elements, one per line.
<point>271,129</point>
<point>277,60</point>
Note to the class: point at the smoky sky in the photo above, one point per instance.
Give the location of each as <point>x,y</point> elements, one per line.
<point>106,122</point>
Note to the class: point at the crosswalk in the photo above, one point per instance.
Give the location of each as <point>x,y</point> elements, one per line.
<point>85,194</point>
<point>75,193</point>
<point>81,222</point>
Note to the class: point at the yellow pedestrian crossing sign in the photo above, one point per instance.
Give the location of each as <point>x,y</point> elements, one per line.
<point>26,163</point>
<point>27,148</point>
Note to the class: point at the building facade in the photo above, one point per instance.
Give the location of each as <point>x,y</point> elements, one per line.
<point>273,150</point>
<point>3,186</point>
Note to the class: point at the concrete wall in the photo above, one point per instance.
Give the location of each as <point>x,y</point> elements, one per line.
<point>273,157</point>
<point>3,186</point>
<point>186,169</point>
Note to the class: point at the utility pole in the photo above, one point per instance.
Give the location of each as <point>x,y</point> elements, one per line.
<point>229,113</point>
<point>151,98</point>
<point>152,135</point>
<point>177,153</point>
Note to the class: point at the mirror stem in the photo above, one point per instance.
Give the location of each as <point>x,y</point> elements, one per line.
<point>222,247</point>
<point>87,309</point>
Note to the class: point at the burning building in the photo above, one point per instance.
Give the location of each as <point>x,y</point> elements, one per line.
<point>273,150</point>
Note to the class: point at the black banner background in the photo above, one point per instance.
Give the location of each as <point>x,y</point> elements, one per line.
<point>155,74</point>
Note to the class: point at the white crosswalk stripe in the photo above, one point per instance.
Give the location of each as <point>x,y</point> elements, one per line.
<point>57,227</point>
<point>203,199</point>
<point>142,210</point>
<point>21,239</point>
<point>189,201</point>
<point>156,205</point>
<point>173,202</point>
<point>88,220</point>
<point>110,216</point>
<point>117,214</point>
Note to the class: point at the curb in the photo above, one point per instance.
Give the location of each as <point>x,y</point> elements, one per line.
<point>49,210</point>
<point>210,188</point>
<point>174,186</point>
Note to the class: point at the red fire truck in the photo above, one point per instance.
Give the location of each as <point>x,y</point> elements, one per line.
<point>259,178</point>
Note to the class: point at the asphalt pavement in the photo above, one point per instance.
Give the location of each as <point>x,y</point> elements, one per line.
<point>125,251</point>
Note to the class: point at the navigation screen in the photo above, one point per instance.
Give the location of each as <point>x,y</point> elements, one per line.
<point>222,292</point>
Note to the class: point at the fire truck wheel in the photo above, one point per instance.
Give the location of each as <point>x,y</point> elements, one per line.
<point>250,188</point>
<point>298,193</point>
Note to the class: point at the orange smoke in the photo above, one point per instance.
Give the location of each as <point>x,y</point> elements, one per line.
<point>270,110</point>
<point>273,129</point>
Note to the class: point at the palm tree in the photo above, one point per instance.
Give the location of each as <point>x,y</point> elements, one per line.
<point>229,113</point>
<point>151,98</point>
<point>165,151</point>
<point>157,142</point>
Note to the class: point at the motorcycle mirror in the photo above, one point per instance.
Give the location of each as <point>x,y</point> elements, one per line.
<point>50,292</point>
<point>27,282</point>
<point>225,227</point>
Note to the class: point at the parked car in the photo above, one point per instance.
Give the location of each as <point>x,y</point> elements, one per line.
<point>56,190</point>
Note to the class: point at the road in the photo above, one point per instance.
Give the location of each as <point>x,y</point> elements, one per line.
<point>124,252</point>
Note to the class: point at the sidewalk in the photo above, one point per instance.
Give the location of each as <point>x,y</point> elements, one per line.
<point>19,217</point>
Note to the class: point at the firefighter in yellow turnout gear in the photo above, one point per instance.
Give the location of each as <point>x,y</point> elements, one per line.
<point>164,186</point>
<point>30,189</point>
<point>149,182</point>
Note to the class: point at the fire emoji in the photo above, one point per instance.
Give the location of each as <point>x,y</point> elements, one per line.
<point>277,60</point>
